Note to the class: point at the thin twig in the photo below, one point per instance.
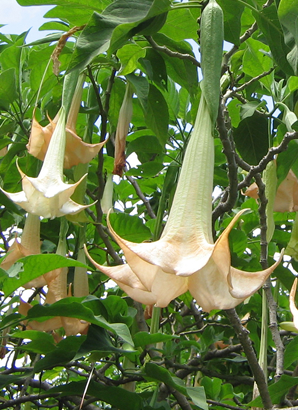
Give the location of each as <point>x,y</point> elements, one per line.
<point>141,196</point>
<point>170,53</point>
<point>227,406</point>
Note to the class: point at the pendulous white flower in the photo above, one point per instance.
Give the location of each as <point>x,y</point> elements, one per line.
<point>186,257</point>
<point>47,195</point>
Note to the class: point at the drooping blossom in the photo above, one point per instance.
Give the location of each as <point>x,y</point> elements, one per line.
<point>186,257</point>
<point>47,195</point>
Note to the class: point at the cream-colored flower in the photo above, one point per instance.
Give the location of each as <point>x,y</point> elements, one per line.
<point>76,150</point>
<point>185,257</point>
<point>47,195</point>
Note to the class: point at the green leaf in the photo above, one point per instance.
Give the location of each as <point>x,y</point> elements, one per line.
<point>286,160</point>
<point>232,20</point>
<point>184,72</point>
<point>291,353</point>
<point>129,227</point>
<point>117,310</point>
<point>129,56</point>
<point>118,397</point>
<point>268,22</point>
<point>141,87</point>
<point>146,170</point>
<point>198,396</point>
<point>116,100</point>
<point>154,66</point>
<point>42,342</point>
<point>147,143</point>
<point>256,62</point>
<point>99,342</point>
<point>8,87</point>
<point>160,373</point>
<point>111,29</point>
<point>75,15</point>
<point>73,307</point>
<point>9,379</point>
<point>180,24</point>
<point>33,266</point>
<point>212,387</point>
<point>251,138</point>
<point>63,353</point>
<point>142,339</point>
<point>277,390</point>
<point>83,4</point>
<point>157,114</point>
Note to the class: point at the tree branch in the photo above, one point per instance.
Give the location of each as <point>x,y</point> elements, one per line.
<point>257,372</point>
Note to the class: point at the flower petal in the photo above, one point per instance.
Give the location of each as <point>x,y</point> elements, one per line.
<point>244,284</point>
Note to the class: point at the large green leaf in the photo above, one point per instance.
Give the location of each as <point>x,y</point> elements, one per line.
<point>33,266</point>
<point>75,308</point>
<point>232,20</point>
<point>251,138</point>
<point>75,16</point>
<point>180,24</point>
<point>111,29</point>
<point>63,353</point>
<point>8,87</point>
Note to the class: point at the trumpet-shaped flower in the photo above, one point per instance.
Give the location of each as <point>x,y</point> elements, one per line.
<point>76,150</point>
<point>47,195</point>
<point>185,257</point>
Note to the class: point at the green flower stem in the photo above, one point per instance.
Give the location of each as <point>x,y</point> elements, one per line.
<point>155,320</point>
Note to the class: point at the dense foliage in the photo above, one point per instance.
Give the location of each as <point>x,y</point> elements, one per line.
<point>132,70</point>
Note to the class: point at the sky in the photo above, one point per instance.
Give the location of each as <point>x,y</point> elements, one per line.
<point>18,19</point>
